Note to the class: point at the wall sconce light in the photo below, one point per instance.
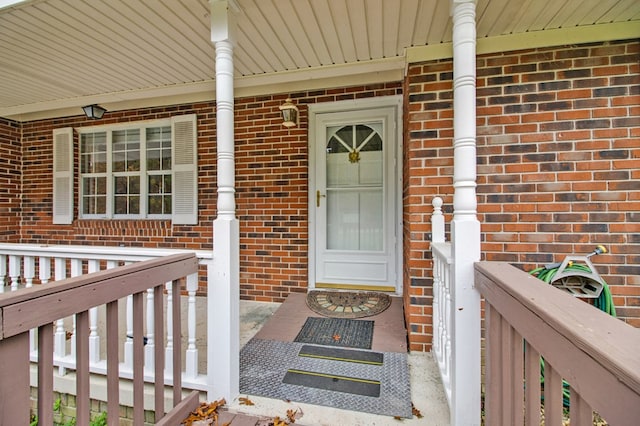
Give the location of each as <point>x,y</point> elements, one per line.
<point>94,112</point>
<point>290,116</point>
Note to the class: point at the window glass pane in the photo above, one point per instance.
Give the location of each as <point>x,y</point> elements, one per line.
<point>159,199</point>
<point>93,149</point>
<point>126,150</point>
<point>94,195</point>
<point>159,148</point>
<point>120,185</point>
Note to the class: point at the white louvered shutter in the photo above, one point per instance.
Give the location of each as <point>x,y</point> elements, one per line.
<point>184,155</point>
<point>63,176</point>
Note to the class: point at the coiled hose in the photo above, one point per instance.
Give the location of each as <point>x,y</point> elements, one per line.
<point>604,302</point>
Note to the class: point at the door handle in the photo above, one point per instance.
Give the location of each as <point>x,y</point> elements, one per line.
<point>318,195</point>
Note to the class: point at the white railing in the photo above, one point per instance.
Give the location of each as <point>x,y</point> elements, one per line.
<point>442,297</point>
<point>23,265</point>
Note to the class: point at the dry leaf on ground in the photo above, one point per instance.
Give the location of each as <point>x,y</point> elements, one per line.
<point>415,411</point>
<point>205,411</point>
<point>245,401</point>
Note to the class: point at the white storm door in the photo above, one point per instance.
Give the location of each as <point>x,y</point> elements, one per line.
<point>355,199</point>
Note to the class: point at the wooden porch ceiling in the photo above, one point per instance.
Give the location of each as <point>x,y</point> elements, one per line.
<point>57,55</point>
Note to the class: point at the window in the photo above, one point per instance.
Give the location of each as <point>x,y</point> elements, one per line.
<point>133,171</point>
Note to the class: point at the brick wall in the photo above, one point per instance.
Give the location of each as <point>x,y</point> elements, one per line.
<point>271,189</point>
<point>10,174</point>
<point>558,163</point>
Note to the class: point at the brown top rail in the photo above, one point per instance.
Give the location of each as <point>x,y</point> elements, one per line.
<point>596,353</point>
<point>32,307</point>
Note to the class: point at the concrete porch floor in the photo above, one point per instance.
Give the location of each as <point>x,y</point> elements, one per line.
<point>427,393</point>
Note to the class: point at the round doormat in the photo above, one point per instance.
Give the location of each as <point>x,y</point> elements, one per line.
<point>347,304</point>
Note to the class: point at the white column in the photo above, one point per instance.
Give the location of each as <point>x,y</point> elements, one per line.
<point>465,227</point>
<point>223,292</point>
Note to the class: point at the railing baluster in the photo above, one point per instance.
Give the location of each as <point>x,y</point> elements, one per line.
<point>44,269</point>
<point>552,395</point>
<point>45,374</point>
<point>177,343</point>
<point>580,411</point>
<point>113,374</point>
<point>149,349</point>
<point>532,385</point>
<point>158,330</point>
<point>192,351</point>
<point>59,338</point>
<point>82,368</point>
<point>518,376</point>
<point>448,329</point>
<point>14,271</point>
<point>493,372</point>
<point>3,271</point>
<point>94,338</point>
<point>168,368</point>
<point>76,271</point>
<point>29,273</point>
<point>138,359</point>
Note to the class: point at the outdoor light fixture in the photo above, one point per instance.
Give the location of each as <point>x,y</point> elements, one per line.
<point>94,112</point>
<point>289,114</point>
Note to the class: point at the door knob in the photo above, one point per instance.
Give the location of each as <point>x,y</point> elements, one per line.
<point>318,195</point>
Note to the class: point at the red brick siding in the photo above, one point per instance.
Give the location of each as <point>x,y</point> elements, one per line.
<point>10,177</point>
<point>558,163</point>
<point>271,189</point>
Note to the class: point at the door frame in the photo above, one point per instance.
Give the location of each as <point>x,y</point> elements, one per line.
<point>357,105</point>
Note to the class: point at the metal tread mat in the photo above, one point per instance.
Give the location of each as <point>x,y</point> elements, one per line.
<point>264,364</point>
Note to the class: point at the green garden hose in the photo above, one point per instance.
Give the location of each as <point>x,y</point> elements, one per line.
<point>604,302</point>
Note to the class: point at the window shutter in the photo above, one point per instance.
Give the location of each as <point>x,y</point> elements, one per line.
<point>184,156</point>
<point>63,176</point>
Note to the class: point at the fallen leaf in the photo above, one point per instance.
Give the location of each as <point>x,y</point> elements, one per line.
<point>245,401</point>
<point>337,337</point>
<point>415,411</point>
<point>205,411</point>
<point>278,422</point>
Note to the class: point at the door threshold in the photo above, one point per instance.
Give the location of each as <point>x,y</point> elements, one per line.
<point>355,287</point>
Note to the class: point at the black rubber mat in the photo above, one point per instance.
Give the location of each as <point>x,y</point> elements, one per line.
<point>345,355</point>
<point>337,332</point>
<point>331,382</point>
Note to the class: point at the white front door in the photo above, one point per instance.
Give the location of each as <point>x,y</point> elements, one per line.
<point>354,198</point>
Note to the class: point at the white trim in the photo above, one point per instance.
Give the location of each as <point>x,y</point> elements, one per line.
<point>350,105</point>
<point>532,40</point>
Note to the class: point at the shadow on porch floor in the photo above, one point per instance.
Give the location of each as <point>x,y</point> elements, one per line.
<point>282,322</point>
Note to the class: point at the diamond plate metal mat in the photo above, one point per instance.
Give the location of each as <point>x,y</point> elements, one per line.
<point>264,363</point>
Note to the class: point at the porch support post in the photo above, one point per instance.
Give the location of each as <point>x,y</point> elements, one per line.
<point>223,301</point>
<point>465,227</point>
